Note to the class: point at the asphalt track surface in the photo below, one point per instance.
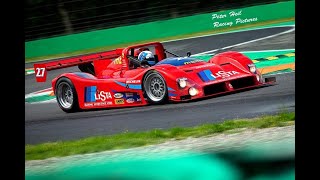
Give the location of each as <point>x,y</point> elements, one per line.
<point>47,122</point>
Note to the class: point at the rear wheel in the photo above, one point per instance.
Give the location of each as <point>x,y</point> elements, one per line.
<point>155,88</point>
<point>66,95</point>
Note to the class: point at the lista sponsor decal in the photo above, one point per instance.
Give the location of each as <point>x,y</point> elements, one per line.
<point>207,75</point>
<point>92,104</point>
<point>118,95</point>
<point>224,74</point>
<point>119,101</point>
<point>92,94</point>
<point>134,81</point>
<point>130,100</point>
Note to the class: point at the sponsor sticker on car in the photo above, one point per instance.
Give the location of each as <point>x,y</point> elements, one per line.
<point>92,94</point>
<point>129,94</point>
<point>118,95</point>
<point>130,100</point>
<point>207,75</point>
<point>192,62</point>
<point>118,60</point>
<point>93,104</point>
<point>134,81</point>
<point>224,74</point>
<point>119,101</point>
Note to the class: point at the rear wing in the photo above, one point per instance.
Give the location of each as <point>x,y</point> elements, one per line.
<point>41,69</point>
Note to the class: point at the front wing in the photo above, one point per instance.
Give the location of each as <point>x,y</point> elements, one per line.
<point>223,87</point>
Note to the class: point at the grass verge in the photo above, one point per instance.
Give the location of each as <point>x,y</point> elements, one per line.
<point>106,48</point>
<point>130,139</point>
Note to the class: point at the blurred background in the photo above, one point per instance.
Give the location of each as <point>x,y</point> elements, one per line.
<point>49,18</point>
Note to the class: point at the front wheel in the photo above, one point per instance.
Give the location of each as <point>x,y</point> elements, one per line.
<point>66,95</point>
<point>155,88</point>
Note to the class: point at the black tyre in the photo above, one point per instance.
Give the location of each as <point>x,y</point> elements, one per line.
<point>66,95</point>
<point>155,88</point>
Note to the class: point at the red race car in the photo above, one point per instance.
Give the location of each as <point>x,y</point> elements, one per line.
<point>120,77</point>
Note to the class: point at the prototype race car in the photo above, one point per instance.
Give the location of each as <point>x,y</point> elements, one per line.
<point>117,78</point>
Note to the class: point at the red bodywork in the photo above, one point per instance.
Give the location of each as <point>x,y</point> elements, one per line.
<point>115,84</point>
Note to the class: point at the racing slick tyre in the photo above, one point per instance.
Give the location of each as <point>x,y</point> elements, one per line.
<point>155,88</point>
<point>66,95</point>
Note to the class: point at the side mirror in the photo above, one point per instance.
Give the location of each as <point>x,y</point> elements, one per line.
<point>188,53</point>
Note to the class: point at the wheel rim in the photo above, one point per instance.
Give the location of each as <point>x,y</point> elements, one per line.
<point>155,87</point>
<point>65,95</point>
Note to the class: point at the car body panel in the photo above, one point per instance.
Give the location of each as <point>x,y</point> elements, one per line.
<point>116,84</point>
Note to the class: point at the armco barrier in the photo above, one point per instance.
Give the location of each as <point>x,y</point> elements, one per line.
<point>160,29</point>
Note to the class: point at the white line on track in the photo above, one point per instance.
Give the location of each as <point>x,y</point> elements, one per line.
<point>276,50</point>
<point>214,34</point>
<point>272,74</point>
<point>246,42</point>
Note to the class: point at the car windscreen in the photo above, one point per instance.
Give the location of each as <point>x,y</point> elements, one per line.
<point>180,61</point>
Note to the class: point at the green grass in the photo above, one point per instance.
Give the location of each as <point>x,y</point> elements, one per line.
<point>106,48</point>
<point>130,139</point>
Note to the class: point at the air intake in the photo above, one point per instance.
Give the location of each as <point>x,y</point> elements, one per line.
<point>243,82</point>
<point>214,88</point>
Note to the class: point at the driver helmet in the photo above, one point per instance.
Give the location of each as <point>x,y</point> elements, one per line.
<point>148,56</point>
<point>138,51</point>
